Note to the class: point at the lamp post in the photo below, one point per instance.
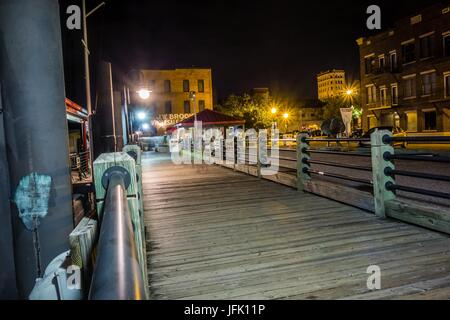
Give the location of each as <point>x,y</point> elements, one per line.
<point>192,98</point>
<point>349,94</point>
<point>274,112</point>
<point>285,116</point>
<point>88,79</point>
<point>143,94</point>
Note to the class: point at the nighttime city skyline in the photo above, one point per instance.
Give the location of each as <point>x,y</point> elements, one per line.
<point>277,44</point>
<point>225,154</point>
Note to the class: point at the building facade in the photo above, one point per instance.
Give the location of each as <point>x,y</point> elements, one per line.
<point>405,74</point>
<point>171,99</point>
<point>330,84</point>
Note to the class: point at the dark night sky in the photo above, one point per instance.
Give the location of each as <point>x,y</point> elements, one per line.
<point>279,44</point>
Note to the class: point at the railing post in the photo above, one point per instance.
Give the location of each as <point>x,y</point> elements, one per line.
<point>302,161</point>
<point>121,159</point>
<point>258,160</point>
<point>262,150</point>
<point>380,166</point>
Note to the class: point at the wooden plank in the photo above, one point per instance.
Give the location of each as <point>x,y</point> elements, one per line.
<point>354,197</point>
<point>107,160</point>
<point>429,217</point>
<point>215,233</point>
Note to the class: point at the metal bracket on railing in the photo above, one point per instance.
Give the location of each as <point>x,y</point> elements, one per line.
<point>387,156</point>
<point>390,186</point>
<point>386,139</point>
<point>133,154</point>
<point>303,158</point>
<point>116,170</point>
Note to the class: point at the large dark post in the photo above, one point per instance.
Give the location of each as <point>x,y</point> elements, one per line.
<point>8,288</point>
<point>31,73</point>
<point>104,121</point>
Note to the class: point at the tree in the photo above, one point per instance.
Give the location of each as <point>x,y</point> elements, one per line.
<point>332,108</point>
<point>255,110</point>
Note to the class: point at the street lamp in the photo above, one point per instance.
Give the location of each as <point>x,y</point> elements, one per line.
<point>144,94</point>
<point>285,116</point>
<point>349,92</point>
<point>141,115</point>
<point>274,110</point>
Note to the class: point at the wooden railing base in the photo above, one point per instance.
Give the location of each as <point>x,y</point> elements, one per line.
<point>431,218</point>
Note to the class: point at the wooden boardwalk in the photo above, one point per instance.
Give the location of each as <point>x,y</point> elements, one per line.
<point>213,233</point>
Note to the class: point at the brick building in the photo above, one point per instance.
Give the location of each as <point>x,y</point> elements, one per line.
<point>170,100</point>
<point>405,73</point>
<point>330,84</point>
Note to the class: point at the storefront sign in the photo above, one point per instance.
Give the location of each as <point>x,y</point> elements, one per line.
<point>165,120</point>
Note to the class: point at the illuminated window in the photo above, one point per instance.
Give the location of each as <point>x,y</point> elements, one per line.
<point>371,94</point>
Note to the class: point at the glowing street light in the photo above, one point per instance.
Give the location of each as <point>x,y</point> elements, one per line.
<point>145,126</point>
<point>144,94</point>
<point>141,115</point>
<point>274,110</point>
<point>286,115</point>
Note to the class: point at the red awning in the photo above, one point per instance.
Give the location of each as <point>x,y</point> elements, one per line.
<point>209,118</point>
<point>75,109</point>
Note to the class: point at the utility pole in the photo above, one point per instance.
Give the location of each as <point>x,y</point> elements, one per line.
<point>88,78</point>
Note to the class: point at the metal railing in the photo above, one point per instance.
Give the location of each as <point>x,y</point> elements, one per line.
<point>369,174</point>
<point>117,273</point>
<point>80,166</point>
<point>391,172</point>
<point>305,151</point>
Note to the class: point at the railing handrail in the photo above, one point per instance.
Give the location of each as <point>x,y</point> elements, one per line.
<point>337,139</point>
<point>389,139</point>
<point>117,274</point>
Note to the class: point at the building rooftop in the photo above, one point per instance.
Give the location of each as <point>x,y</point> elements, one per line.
<point>210,117</point>
<point>331,71</point>
<point>426,14</point>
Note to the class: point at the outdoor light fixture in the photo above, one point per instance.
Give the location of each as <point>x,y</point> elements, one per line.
<point>145,126</point>
<point>286,115</point>
<point>144,94</point>
<point>141,115</point>
<point>349,92</point>
<point>274,110</point>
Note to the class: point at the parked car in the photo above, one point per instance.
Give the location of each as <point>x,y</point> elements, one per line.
<point>396,132</point>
